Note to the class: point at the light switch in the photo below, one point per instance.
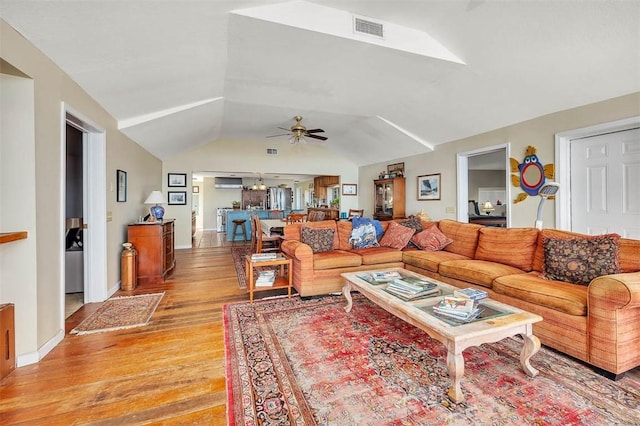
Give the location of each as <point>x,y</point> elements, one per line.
<point>109,216</point>
<point>450,209</point>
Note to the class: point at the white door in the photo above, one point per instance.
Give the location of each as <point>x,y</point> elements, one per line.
<point>605,184</point>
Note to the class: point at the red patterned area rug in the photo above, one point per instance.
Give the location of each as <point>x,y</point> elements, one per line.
<point>238,254</point>
<point>119,313</point>
<point>303,362</point>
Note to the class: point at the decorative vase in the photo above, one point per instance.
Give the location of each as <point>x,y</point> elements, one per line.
<point>157,211</point>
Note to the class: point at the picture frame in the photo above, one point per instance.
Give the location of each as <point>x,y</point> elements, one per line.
<point>396,169</point>
<point>429,187</point>
<point>121,186</point>
<point>177,180</point>
<point>196,189</point>
<point>349,189</point>
<point>177,198</point>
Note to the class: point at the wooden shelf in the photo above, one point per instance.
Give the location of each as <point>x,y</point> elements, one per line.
<point>7,237</point>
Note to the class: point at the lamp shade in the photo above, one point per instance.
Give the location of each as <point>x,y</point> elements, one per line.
<point>155,197</point>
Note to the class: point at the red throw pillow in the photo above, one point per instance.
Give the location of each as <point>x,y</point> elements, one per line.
<point>396,236</point>
<point>431,239</point>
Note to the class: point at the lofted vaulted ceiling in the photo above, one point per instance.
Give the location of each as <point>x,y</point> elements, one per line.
<point>177,74</point>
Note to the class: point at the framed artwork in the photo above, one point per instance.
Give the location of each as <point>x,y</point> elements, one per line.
<point>349,189</point>
<point>177,197</point>
<point>177,179</point>
<point>121,192</point>
<point>196,189</point>
<point>429,187</point>
<point>396,169</point>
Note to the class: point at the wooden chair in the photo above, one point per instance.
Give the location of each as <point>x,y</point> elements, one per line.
<point>264,243</point>
<point>355,213</point>
<point>315,216</point>
<point>296,218</point>
<point>276,214</point>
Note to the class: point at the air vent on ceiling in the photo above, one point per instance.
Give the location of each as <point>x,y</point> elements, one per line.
<point>272,151</point>
<point>368,27</point>
<point>228,183</point>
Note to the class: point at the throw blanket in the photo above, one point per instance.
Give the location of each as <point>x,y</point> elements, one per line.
<point>359,221</point>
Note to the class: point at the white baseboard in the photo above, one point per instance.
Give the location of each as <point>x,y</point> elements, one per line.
<point>184,247</point>
<point>34,357</point>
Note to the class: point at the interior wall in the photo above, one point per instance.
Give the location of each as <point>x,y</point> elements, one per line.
<point>538,132</point>
<point>52,88</point>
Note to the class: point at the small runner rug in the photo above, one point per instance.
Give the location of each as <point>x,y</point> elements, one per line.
<point>119,313</point>
<point>306,362</point>
<point>238,254</point>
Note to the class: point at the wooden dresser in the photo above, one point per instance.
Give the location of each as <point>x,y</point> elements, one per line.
<point>154,244</point>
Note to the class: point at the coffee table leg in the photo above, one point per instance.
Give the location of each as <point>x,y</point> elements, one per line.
<point>346,290</point>
<point>455,365</point>
<point>530,348</point>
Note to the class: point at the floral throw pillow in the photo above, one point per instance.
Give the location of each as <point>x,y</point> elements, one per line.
<point>364,236</point>
<point>396,236</point>
<point>431,239</point>
<point>580,260</point>
<point>319,239</point>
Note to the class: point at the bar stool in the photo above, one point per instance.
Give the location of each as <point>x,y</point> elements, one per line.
<point>239,223</point>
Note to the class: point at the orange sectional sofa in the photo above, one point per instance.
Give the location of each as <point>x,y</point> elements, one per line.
<point>598,323</point>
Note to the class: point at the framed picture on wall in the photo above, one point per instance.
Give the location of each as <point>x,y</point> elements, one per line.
<point>429,187</point>
<point>177,179</point>
<point>177,197</point>
<point>349,189</point>
<point>395,170</point>
<point>121,186</point>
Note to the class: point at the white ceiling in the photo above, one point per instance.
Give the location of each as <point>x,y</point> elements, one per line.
<point>177,74</point>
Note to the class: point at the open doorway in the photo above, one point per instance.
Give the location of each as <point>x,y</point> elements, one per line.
<point>484,173</point>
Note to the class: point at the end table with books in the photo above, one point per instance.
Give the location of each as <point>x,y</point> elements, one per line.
<point>262,280</point>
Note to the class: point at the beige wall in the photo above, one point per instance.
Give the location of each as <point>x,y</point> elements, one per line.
<point>42,301</point>
<point>539,132</point>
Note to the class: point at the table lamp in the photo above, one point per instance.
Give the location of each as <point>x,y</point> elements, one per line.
<point>487,207</point>
<point>156,198</point>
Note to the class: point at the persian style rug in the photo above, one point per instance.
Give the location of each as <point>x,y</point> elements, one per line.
<point>303,362</point>
<point>119,313</point>
<point>238,254</point>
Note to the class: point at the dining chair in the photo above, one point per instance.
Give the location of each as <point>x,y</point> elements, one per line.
<point>355,213</point>
<point>276,214</point>
<point>265,243</point>
<point>315,216</point>
<point>296,218</point>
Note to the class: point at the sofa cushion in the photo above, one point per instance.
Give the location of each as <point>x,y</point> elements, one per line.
<point>335,259</point>
<point>319,239</point>
<point>429,260</point>
<point>580,260</point>
<point>563,297</point>
<point>629,255</point>
<point>464,236</point>
<point>511,246</point>
<point>431,239</point>
<point>364,236</point>
<point>479,272</point>
<point>378,255</point>
<point>396,236</point>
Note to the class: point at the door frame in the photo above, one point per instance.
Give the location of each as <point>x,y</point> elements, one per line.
<point>462,161</point>
<point>94,205</point>
<point>563,162</point>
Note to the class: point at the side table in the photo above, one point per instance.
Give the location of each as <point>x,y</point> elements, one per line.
<point>283,280</point>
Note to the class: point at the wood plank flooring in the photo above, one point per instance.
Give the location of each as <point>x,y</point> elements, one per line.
<point>169,372</point>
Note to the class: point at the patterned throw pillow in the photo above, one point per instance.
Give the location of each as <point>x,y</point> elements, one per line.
<point>319,239</point>
<point>413,223</point>
<point>580,260</point>
<point>431,239</point>
<point>396,236</point>
<point>364,236</point>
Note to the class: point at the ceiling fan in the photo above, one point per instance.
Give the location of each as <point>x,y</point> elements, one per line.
<point>299,132</point>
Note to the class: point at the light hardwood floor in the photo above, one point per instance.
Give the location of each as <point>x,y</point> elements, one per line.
<point>169,372</point>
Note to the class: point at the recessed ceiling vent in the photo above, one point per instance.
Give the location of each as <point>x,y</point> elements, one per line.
<point>368,27</point>
<point>272,151</point>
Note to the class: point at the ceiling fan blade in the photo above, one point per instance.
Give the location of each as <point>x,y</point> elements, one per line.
<point>275,136</point>
<point>282,128</point>
<point>322,138</point>
<point>315,131</point>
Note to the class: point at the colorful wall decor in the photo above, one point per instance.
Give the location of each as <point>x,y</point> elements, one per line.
<point>530,175</point>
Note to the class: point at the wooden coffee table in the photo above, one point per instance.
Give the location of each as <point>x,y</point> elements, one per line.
<point>507,321</point>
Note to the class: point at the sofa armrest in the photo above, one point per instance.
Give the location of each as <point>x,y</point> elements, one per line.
<point>614,315</point>
<point>615,291</point>
<point>302,261</point>
<point>297,250</point>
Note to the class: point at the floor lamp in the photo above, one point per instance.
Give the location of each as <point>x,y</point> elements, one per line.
<point>545,191</point>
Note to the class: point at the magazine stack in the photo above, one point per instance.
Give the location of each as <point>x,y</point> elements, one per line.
<point>411,288</point>
<point>257,257</point>
<point>266,278</point>
<point>460,308</point>
<point>471,293</point>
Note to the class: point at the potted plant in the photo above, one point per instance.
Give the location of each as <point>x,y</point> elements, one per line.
<point>235,205</point>
<point>335,203</point>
